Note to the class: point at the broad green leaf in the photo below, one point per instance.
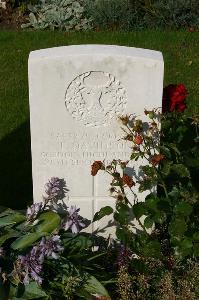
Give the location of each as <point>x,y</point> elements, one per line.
<point>139,209</point>
<point>7,212</point>
<point>177,227</point>
<point>34,291</point>
<point>48,222</point>
<point>78,242</point>
<point>12,219</point>
<point>27,240</point>
<point>151,202</point>
<point>104,211</point>
<point>183,208</point>
<point>93,287</point>
<point>186,243</point>
<point>148,222</point>
<point>8,235</point>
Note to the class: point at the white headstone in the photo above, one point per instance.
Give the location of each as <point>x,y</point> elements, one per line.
<point>76,93</point>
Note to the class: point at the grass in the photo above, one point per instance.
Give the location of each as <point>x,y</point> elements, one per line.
<point>180,51</point>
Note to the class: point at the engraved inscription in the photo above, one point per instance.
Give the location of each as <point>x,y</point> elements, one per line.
<point>72,148</point>
<point>95,97</point>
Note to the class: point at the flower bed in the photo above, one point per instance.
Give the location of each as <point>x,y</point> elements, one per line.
<point>45,253</point>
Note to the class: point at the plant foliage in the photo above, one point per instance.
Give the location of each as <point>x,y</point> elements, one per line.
<point>47,254</point>
<point>58,14</point>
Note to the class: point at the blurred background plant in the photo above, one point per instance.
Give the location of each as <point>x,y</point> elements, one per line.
<point>138,14</point>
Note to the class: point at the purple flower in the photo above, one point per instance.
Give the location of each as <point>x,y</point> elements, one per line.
<point>33,211</point>
<point>55,189</point>
<point>73,220</point>
<point>31,265</point>
<point>124,256</point>
<point>60,208</point>
<point>51,247</point>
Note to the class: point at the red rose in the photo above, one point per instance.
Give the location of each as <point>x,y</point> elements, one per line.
<point>174,96</point>
<point>138,139</point>
<point>191,29</point>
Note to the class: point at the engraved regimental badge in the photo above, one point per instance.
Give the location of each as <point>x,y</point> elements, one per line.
<point>94,98</point>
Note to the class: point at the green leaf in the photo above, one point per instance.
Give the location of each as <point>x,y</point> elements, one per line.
<point>11,219</point>
<point>2,291</point>
<point>196,236</point>
<point>196,249</point>
<point>48,222</point>
<point>166,168</point>
<point>175,193</point>
<point>180,170</point>
<point>27,240</point>
<point>93,287</point>
<point>152,249</point>
<point>151,202</point>
<point>159,217</point>
<point>186,243</point>
<point>174,148</point>
<point>104,211</point>
<point>7,212</point>
<point>8,235</point>
<point>34,291</point>
<point>122,235</point>
<point>164,150</point>
<point>177,227</point>
<point>139,209</point>
<point>148,223</point>
<point>183,208</point>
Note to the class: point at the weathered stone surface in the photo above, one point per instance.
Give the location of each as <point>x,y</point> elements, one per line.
<point>76,93</point>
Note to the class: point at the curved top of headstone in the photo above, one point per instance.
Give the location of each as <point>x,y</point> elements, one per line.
<point>96,49</point>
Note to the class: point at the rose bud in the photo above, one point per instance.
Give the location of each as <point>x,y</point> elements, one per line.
<point>112,190</point>
<point>138,139</point>
<point>128,137</point>
<point>96,166</point>
<point>124,120</point>
<point>138,127</point>
<point>123,164</point>
<point>156,159</point>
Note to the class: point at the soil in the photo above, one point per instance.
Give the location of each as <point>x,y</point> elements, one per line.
<point>12,18</point>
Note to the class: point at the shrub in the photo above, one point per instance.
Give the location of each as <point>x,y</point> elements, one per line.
<point>138,14</point>
<point>115,14</point>
<point>58,14</point>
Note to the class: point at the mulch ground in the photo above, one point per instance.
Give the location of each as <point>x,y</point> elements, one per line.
<point>11,18</point>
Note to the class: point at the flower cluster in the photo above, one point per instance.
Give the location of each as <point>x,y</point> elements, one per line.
<point>174,96</point>
<point>30,266</point>
<point>55,189</point>
<point>73,220</point>
<point>33,211</point>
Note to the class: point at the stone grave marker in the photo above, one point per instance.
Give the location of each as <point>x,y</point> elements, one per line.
<point>76,94</point>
